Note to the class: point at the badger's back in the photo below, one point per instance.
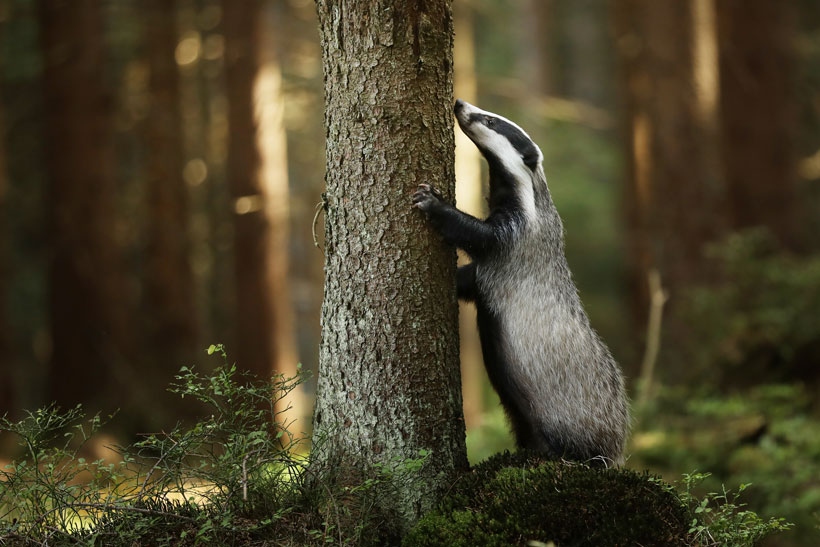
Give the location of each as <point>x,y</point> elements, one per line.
<point>565,394</point>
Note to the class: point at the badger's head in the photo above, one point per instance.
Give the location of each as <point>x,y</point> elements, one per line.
<point>499,139</point>
<point>515,161</point>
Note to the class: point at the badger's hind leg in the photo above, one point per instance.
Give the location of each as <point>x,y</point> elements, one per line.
<point>551,443</point>
<point>526,432</point>
<point>465,282</point>
<point>531,435</point>
<point>526,436</point>
<point>559,447</point>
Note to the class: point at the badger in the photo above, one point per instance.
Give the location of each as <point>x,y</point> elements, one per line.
<point>558,383</point>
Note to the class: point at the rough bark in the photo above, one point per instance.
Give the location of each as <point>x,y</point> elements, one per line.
<point>388,371</point>
<point>169,280</point>
<point>84,274</point>
<point>757,114</point>
<point>670,198</point>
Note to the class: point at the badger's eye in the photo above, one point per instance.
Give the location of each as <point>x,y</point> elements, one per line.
<point>490,121</point>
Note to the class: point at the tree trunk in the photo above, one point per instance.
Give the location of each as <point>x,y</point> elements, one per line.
<point>671,196</point>
<point>204,134</point>
<point>255,321</point>
<point>388,369</point>
<point>169,280</point>
<point>470,199</point>
<point>537,46</point>
<point>85,281</point>
<point>757,119</point>
<point>272,142</point>
<point>7,359</point>
<point>585,56</point>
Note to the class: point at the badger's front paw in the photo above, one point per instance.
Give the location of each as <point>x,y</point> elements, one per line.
<point>426,198</point>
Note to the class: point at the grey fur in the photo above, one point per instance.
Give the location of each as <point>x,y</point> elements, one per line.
<point>561,387</point>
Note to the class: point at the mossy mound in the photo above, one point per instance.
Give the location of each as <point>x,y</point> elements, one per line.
<point>513,499</point>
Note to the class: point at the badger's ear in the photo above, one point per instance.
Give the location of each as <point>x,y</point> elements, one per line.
<point>532,157</point>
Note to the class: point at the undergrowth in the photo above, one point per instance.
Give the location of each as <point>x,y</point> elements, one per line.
<point>767,436</point>
<point>236,478</point>
<point>720,519</point>
<point>524,499</point>
<point>233,478</point>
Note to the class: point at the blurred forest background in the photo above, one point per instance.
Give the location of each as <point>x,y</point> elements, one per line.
<point>161,163</point>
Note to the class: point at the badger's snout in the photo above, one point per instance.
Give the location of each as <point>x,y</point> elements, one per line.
<point>463,108</point>
<point>462,111</point>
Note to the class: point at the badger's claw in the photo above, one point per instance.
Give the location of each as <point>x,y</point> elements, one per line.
<point>426,197</point>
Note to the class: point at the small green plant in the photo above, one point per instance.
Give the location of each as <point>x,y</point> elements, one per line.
<point>50,491</point>
<point>718,518</point>
<point>190,485</point>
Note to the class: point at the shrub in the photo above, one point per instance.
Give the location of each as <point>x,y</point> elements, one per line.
<point>757,321</point>
<point>185,486</point>
<point>720,519</point>
<point>766,436</point>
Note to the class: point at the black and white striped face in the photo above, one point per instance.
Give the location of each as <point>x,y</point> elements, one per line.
<point>499,138</point>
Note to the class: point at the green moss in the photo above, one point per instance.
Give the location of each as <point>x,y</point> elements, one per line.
<point>512,499</point>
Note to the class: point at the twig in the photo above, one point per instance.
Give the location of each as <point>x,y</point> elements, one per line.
<point>245,478</point>
<point>317,477</point>
<point>102,506</point>
<point>107,507</point>
<point>321,206</point>
<point>19,537</point>
<point>657,298</point>
<point>155,466</point>
<point>56,530</point>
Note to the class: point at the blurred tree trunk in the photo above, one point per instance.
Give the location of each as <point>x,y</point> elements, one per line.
<point>255,345</point>
<point>6,357</point>
<point>537,46</point>
<point>757,119</point>
<point>272,142</point>
<point>388,369</point>
<point>563,49</point>
<point>85,276</point>
<point>671,193</point>
<point>203,111</point>
<point>301,57</point>
<point>257,174</point>
<point>586,53</point>
<point>169,280</point>
<point>470,199</point>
